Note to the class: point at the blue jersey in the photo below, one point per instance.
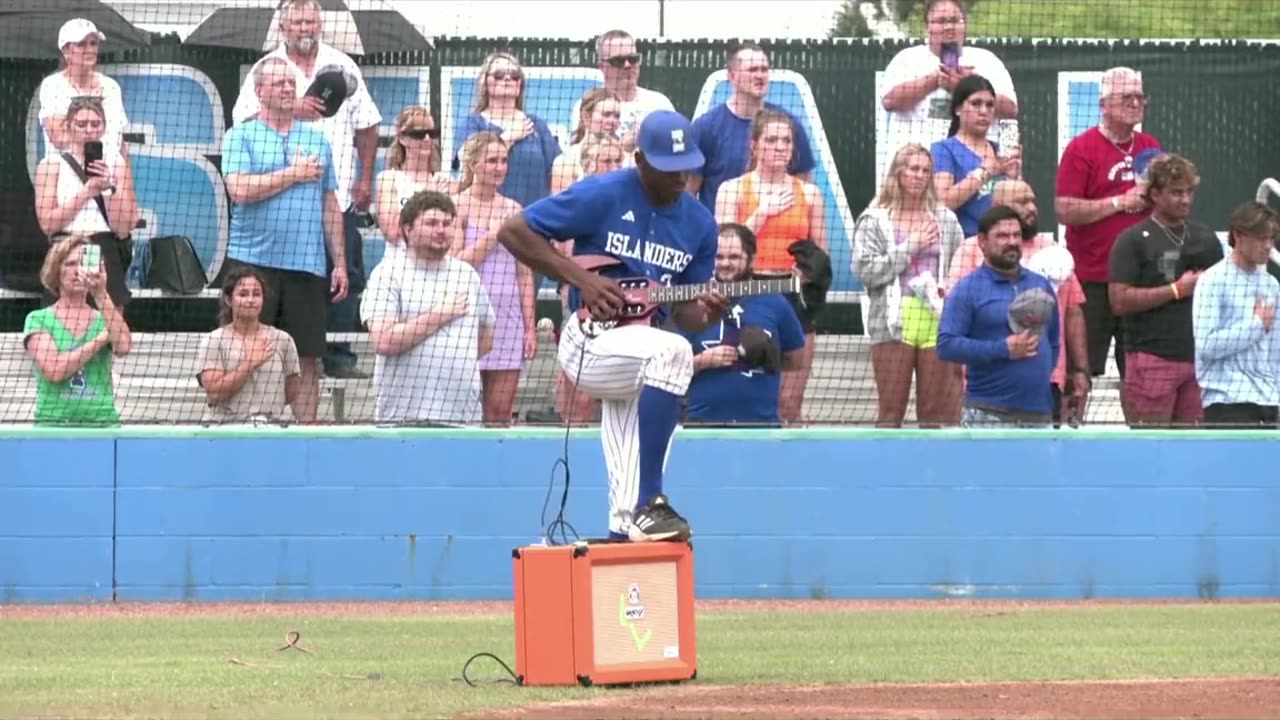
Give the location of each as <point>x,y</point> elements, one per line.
<point>609,214</point>
<point>725,141</point>
<point>737,393</point>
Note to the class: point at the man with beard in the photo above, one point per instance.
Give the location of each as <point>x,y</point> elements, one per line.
<point>349,119</point>
<point>1154,269</point>
<point>729,387</point>
<point>1070,393</point>
<point>1001,323</point>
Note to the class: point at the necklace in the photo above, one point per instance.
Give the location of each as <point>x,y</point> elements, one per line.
<point>1175,239</point>
<point>1128,154</point>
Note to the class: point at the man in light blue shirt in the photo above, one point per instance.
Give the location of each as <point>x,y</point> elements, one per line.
<point>1234,312</point>
<point>281,180</point>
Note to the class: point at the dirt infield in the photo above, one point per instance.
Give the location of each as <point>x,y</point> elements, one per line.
<point>1159,700</point>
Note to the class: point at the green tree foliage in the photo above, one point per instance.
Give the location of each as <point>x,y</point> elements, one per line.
<point>1121,19</point>
<point>850,22</point>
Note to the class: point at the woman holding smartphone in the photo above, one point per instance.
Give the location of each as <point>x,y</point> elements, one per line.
<point>70,343</point>
<point>84,192</point>
<point>967,164</point>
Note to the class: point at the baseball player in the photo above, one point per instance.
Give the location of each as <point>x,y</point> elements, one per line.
<point>642,217</point>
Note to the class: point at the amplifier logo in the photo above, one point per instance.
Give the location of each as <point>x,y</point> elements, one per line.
<point>631,611</point>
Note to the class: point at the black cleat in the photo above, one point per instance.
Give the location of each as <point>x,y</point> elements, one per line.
<point>658,521</point>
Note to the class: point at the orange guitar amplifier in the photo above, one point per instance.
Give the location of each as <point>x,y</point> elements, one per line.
<point>604,613</point>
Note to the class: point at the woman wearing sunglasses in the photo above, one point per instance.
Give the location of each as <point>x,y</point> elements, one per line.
<point>90,196</point>
<point>77,77</point>
<point>413,165</point>
<point>499,108</point>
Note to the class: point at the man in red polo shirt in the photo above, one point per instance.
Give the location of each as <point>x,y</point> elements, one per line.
<point>1099,196</point>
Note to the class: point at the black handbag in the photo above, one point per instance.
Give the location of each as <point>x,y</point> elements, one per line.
<point>173,266</point>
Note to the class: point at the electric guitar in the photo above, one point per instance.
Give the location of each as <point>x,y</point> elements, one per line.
<point>645,295</point>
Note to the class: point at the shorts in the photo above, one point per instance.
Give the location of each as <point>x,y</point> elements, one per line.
<point>919,324</point>
<point>1165,389</point>
<point>295,302</point>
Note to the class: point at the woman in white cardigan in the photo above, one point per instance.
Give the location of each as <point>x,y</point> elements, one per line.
<point>903,244</point>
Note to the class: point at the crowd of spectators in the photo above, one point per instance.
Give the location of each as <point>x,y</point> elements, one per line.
<point>995,321</point>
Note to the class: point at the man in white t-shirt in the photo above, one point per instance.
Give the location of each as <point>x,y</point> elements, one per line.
<point>352,132</point>
<point>619,60</point>
<point>918,82</point>
<point>430,322</point>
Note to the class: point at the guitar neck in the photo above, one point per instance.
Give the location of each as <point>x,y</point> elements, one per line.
<point>739,288</point>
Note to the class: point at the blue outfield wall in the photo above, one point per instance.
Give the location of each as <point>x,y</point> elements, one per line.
<point>292,514</point>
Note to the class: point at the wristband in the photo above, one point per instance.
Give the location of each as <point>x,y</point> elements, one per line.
<point>1174,288</point>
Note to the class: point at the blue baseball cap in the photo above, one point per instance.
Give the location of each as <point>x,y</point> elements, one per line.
<point>666,139</point>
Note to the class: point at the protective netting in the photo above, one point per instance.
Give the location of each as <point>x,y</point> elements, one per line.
<point>255,142</point>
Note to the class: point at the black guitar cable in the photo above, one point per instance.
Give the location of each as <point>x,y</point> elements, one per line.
<point>557,531</point>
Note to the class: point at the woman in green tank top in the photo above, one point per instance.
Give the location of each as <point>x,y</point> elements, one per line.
<point>68,341</point>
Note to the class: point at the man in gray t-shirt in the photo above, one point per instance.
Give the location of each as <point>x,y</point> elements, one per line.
<point>430,322</point>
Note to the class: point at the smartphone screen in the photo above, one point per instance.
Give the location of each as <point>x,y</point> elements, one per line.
<point>92,153</point>
<point>950,55</point>
<point>91,259</point>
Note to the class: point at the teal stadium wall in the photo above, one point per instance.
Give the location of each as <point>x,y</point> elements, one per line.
<point>344,513</point>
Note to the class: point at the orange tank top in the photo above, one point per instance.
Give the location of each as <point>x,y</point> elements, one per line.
<point>778,231</point>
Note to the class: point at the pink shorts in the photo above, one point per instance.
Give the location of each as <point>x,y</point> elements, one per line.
<point>1159,390</point>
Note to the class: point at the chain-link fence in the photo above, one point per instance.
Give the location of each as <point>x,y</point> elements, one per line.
<point>175,162</point>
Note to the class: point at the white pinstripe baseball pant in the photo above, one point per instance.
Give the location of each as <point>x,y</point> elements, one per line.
<point>613,365</point>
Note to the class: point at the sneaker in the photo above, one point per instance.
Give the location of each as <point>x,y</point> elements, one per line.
<point>658,521</point>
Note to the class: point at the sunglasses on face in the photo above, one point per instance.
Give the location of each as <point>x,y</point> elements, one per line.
<point>422,133</point>
<point>504,74</point>
<point>622,60</point>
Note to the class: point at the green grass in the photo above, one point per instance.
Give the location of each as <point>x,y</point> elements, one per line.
<point>180,667</point>
<point>1225,19</point>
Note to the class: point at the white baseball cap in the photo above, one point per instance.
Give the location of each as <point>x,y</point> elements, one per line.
<point>73,31</point>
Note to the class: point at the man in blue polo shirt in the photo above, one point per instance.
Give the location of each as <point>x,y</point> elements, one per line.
<point>724,132</point>
<point>642,218</point>
<point>727,387</point>
<point>1001,323</point>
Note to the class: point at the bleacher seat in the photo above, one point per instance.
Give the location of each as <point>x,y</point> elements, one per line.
<point>157,383</point>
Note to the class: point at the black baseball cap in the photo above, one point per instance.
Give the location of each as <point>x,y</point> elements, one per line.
<point>333,85</point>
